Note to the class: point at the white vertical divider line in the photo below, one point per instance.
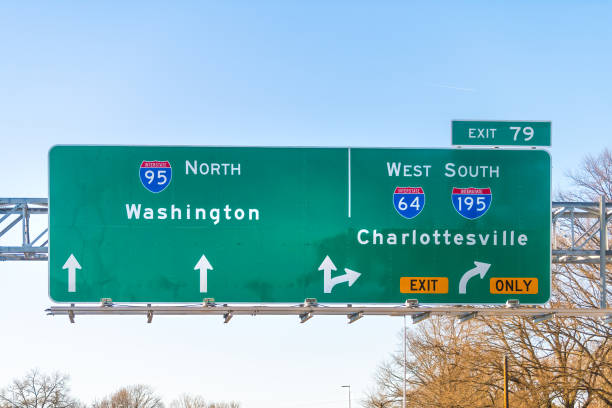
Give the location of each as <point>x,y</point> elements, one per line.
<point>349,182</point>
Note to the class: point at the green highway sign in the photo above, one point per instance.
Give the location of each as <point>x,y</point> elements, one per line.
<point>500,133</point>
<point>265,224</point>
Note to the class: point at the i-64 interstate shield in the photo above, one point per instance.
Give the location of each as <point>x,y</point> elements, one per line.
<point>265,224</point>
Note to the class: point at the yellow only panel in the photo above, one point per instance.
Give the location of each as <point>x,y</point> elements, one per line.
<point>514,285</point>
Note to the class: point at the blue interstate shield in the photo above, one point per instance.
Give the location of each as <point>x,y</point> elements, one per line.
<point>408,201</point>
<point>155,175</point>
<point>471,203</point>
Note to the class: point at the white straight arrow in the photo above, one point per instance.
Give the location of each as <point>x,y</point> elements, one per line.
<point>72,265</point>
<point>203,265</point>
<point>480,269</point>
<point>327,266</point>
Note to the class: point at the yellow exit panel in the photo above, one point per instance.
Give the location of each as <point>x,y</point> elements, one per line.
<point>514,285</point>
<point>423,285</point>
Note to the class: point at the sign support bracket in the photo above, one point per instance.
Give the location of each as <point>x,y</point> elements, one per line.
<point>306,312</point>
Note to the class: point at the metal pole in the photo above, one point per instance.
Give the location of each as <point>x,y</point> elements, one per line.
<point>506,400</point>
<point>26,225</point>
<point>349,389</point>
<point>603,246</point>
<point>404,393</point>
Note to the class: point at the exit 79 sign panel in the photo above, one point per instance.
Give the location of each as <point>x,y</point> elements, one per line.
<point>272,224</point>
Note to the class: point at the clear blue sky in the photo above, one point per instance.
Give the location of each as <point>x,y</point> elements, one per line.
<point>312,73</point>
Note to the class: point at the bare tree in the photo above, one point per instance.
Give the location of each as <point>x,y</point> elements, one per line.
<point>189,401</point>
<point>222,404</point>
<point>592,179</point>
<point>559,363</point>
<point>447,366</point>
<point>37,390</point>
<point>197,401</point>
<point>133,396</point>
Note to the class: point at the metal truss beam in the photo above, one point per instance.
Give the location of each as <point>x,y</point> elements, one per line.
<point>15,215</point>
<point>579,246</point>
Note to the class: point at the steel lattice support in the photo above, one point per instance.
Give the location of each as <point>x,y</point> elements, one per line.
<point>577,232</point>
<point>15,214</point>
<point>578,245</point>
<point>580,235</point>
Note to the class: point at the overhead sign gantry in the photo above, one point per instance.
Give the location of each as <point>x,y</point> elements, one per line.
<point>342,225</point>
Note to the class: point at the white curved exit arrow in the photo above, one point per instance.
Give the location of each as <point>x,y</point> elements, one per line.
<point>480,269</point>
